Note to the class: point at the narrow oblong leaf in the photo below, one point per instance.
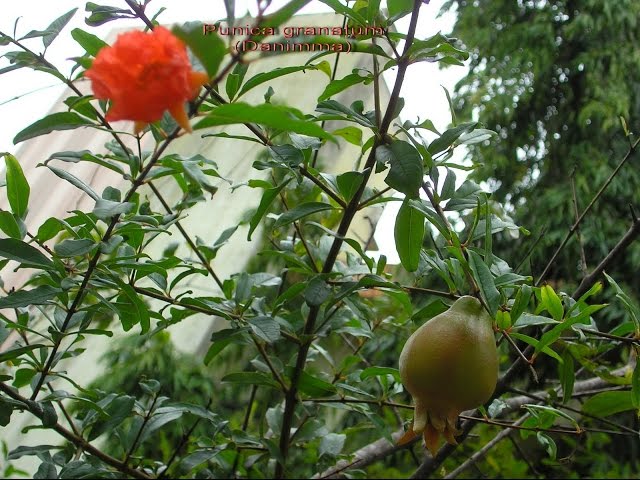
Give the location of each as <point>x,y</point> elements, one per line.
<point>605,404</point>
<point>17,186</point>
<point>24,253</point>
<point>51,123</point>
<point>266,114</point>
<point>23,298</point>
<point>486,283</point>
<point>301,211</point>
<point>409,234</point>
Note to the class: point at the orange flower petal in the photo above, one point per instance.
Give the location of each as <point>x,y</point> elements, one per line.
<point>144,75</point>
<point>180,115</point>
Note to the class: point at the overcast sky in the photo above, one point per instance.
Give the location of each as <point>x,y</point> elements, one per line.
<point>26,96</point>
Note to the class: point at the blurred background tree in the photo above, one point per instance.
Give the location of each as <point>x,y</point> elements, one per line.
<point>553,78</point>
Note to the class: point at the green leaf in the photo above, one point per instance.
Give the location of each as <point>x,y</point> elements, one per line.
<point>9,225</point>
<point>635,386</point>
<point>535,343</point>
<point>567,375</point>
<point>484,278</point>
<point>380,371</point>
<point>54,29</point>
<point>336,108</point>
<point>476,136</point>
<point>105,209</point>
<point>234,80</point>
<point>23,253</point>
<point>315,387</point>
<point>448,137</point>
<point>280,16</point>
<point>349,183</point>
<point>261,78</point>
<point>521,302</point>
<point>88,41</point>
<point>17,186</point>
<point>406,172</point>
<point>353,135</point>
<point>605,404</point>
<point>220,340</point>
<point>75,181</point>
<point>281,118</point>
<point>552,302</point>
<point>266,328</point>
<point>51,123</point>
<point>132,309</point>
<point>399,8</point>
<point>337,86</point>
<point>16,352</point>
<point>118,410</point>
<point>209,48</point>
<point>24,298</point>
<point>251,378</point>
<point>74,248</point>
<point>49,229</point>
<point>317,292</point>
<point>409,234</point>
<point>301,211</point>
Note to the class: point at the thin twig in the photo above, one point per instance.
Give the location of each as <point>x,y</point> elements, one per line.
<point>593,201</point>
<point>583,257</point>
<point>521,355</point>
<point>488,446</point>
<point>205,263</point>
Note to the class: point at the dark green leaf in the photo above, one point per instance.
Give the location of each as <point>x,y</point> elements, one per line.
<point>406,172</point>
<point>16,352</point>
<point>315,387</point>
<point>301,211</point>
<point>317,292</point>
<point>251,378</point>
<point>484,278</point>
<point>399,8</point>
<point>9,225</point>
<point>74,248</point>
<point>349,183</point>
<point>23,253</point>
<point>567,375</point>
<point>51,123</point>
<point>266,328</point>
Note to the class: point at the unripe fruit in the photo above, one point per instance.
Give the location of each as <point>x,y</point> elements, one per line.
<point>448,365</point>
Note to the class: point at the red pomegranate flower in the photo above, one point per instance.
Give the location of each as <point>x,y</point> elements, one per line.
<point>144,74</point>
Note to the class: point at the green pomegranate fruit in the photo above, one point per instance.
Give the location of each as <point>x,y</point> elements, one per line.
<point>448,365</point>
